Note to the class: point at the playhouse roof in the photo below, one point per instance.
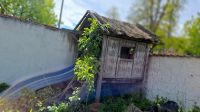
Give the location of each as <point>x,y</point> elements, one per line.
<point>119,29</point>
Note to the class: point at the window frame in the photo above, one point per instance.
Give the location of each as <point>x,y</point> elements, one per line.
<point>128,55</point>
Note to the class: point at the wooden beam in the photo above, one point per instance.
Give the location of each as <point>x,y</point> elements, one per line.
<point>98,89</point>
<point>122,80</point>
<point>145,71</point>
<point>82,19</point>
<point>99,80</point>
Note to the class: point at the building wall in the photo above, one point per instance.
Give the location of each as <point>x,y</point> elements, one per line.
<point>28,49</point>
<point>177,78</point>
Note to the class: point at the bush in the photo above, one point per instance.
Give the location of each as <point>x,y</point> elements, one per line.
<point>173,45</point>
<point>62,107</point>
<point>119,104</point>
<point>3,87</point>
<point>28,101</point>
<point>195,108</point>
<point>139,101</point>
<point>160,100</point>
<point>113,105</point>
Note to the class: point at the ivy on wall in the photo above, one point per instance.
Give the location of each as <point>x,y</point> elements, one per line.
<point>87,63</point>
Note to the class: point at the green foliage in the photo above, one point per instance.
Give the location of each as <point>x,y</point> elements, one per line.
<point>156,14</point>
<point>3,86</point>
<point>74,96</point>
<point>178,45</point>
<point>161,17</point>
<point>192,28</point>
<point>66,107</point>
<point>87,64</point>
<point>62,107</point>
<point>160,100</point>
<point>91,39</point>
<point>113,105</point>
<point>85,70</point>
<point>195,109</point>
<point>119,104</point>
<point>140,102</point>
<point>173,45</point>
<point>27,102</point>
<point>40,11</point>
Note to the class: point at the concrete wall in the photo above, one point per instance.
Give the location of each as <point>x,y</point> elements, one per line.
<point>28,49</point>
<point>177,78</point>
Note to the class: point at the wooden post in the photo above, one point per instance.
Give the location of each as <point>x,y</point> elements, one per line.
<point>146,66</point>
<point>100,77</point>
<point>98,89</point>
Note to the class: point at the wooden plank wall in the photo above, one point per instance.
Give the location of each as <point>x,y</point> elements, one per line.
<point>139,60</point>
<point>115,67</point>
<point>124,66</point>
<point>111,56</point>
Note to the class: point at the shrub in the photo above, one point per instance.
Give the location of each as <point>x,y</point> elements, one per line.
<point>113,105</point>
<point>160,100</point>
<point>62,107</point>
<point>195,108</point>
<point>139,101</point>
<point>27,101</point>
<point>119,104</point>
<point>3,87</point>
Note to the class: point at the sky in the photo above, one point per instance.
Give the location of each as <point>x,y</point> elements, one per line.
<point>73,10</point>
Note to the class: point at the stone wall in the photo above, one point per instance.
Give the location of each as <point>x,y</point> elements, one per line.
<point>177,78</point>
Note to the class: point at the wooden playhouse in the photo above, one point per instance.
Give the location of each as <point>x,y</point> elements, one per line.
<point>125,52</point>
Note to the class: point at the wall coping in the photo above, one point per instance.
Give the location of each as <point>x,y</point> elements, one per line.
<point>174,55</point>
<point>35,23</point>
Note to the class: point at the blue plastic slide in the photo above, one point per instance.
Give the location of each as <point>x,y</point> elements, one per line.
<point>40,81</point>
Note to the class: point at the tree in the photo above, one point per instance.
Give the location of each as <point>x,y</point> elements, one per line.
<point>113,13</point>
<point>40,11</point>
<point>192,28</point>
<point>160,16</point>
<point>173,45</point>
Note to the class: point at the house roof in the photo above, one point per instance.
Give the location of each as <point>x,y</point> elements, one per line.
<point>119,29</point>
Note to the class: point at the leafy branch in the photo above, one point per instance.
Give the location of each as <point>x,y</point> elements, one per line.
<point>87,64</point>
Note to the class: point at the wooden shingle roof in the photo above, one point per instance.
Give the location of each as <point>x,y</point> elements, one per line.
<point>119,29</point>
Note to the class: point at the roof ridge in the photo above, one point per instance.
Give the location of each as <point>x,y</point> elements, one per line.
<point>120,29</point>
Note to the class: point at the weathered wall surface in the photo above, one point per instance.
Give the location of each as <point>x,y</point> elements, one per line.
<point>28,49</point>
<point>115,66</point>
<point>177,78</point>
